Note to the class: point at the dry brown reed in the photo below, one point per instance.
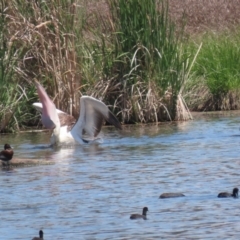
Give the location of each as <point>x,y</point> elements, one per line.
<point>49,49</point>
<point>140,102</point>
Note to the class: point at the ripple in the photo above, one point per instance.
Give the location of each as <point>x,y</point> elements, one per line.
<point>91,190</point>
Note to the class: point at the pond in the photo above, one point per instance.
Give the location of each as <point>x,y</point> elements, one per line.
<point>91,190</point>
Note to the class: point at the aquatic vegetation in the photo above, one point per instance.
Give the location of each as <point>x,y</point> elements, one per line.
<point>151,63</point>
<point>135,57</point>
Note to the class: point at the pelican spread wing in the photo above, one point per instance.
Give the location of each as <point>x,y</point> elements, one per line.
<point>92,114</point>
<point>65,119</point>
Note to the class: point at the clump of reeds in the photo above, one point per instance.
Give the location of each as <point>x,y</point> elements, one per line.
<point>13,95</point>
<point>38,39</point>
<point>48,32</point>
<point>150,62</point>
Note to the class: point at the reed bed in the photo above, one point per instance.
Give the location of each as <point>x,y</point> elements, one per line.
<point>135,56</point>
<point>13,97</point>
<point>150,62</point>
<point>137,67</point>
<point>48,35</point>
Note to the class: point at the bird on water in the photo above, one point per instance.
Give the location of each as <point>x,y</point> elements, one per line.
<point>6,154</point>
<point>171,195</point>
<point>234,194</point>
<point>69,131</point>
<point>40,236</point>
<point>139,216</point>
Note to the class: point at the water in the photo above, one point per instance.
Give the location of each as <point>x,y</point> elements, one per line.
<point>91,190</point>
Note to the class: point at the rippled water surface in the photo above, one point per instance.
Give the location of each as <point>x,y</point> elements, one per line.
<point>91,190</point>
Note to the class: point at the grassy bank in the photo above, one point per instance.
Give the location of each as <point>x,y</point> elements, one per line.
<point>130,55</point>
<point>133,60</point>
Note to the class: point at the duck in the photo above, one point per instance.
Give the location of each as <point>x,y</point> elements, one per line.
<point>140,216</point>
<point>40,236</point>
<point>65,129</point>
<point>171,195</point>
<point>234,194</point>
<point>6,154</point>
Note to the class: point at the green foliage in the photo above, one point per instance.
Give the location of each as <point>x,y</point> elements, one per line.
<point>148,48</point>
<point>218,62</point>
<point>133,60</point>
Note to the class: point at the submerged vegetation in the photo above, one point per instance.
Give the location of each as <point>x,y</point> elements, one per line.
<point>131,55</point>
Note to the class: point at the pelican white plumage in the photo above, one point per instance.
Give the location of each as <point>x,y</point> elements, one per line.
<point>66,130</point>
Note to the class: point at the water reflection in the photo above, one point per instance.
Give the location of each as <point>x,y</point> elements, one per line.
<point>91,190</point>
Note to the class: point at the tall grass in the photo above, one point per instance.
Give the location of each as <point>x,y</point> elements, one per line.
<point>217,71</point>
<point>50,32</point>
<point>133,59</point>
<point>150,60</point>
<point>13,97</point>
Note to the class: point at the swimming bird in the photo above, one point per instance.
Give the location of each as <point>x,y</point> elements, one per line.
<point>138,216</point>
<point>226,194</point>
<point>171,195</point>
<point>6,154</point>
<point>40,236</point>
<point>70,131</point>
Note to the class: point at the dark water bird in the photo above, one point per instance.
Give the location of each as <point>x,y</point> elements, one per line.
<point>171,195</point>
<point>139,216</point>
<point>68,130</point>
<point>226,194</point>
<point>40,236</point>
<point>6,154</point>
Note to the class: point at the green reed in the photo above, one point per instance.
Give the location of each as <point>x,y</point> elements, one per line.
<point>217,70</point>
<point>149,49</point>
<point>133,60</point>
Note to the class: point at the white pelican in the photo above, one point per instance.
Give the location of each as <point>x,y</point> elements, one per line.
<point>66,130</point>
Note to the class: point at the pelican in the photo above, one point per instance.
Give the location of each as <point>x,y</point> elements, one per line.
<point>66,129</point>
